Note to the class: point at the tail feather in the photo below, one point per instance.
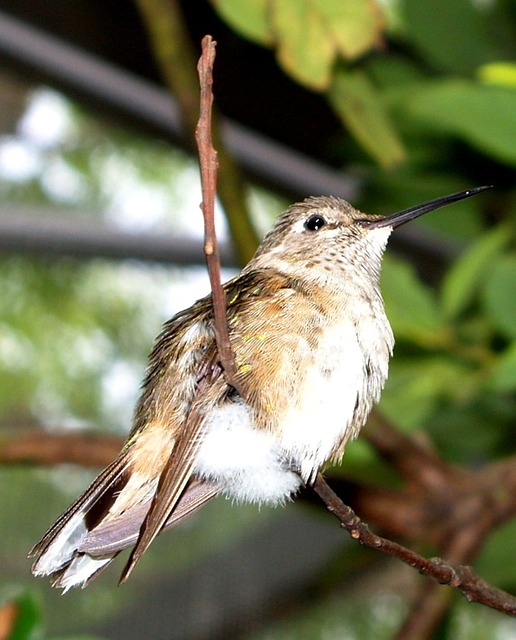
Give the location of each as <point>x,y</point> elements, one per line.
<point>122,532</point>
<point>82,543</point>
<point>57,552</point>
<point>81,570</point>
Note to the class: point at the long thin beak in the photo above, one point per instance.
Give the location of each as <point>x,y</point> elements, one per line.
<point>397,219</point>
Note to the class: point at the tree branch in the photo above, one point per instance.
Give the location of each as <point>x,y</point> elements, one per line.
<point>208,163</point>
<point>49,449</point>
<point>461,577</point>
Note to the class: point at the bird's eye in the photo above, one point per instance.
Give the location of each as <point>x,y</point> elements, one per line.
<point>314,223</point>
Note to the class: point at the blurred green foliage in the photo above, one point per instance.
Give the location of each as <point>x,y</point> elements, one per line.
<point>431,112</point>
<point>28,619</point>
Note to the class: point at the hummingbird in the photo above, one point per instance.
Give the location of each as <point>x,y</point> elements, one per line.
<point>311,342</point>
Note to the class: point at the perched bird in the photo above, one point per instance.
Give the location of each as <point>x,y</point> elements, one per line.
<point>312,345</point>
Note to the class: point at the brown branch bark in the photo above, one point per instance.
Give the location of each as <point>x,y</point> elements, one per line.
<point>465,537</point>
<point>446,573</point>
<point>430,603</point>
<point>176,58</point>
<point>208,163</point>
<point>49,449</point>
<point>437,498</point>
<point>429,607</point>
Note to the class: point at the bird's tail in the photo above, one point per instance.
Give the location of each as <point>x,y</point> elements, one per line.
<point>85,539</point>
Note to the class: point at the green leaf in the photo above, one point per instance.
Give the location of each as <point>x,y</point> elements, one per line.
<point>411,306</point>
<point>500,295</point>
<point>354,25</point>
<point>309,34</point>
<point>249,18</point>
<point>453,36</point>
<point>500,73</point>
<point>303,46</point>
<point>362,463</point>
<point>28,625</point>
<point>465,277</point>
<point>362,110</point>
<point>442,105</point>
<point>415,388</point>
<point>503,374</point>
<point>391,72</point>
<point>496,559</point>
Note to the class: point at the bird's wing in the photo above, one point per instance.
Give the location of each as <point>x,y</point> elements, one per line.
<point>56,552</point>
<point>177,471</point>
<point>141,488</point>
<point>122,532</point>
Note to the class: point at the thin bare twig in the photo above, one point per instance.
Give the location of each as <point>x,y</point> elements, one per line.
<point>208,163</point>
<point>461,577</point>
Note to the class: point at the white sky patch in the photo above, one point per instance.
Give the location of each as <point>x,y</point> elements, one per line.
<point>52,412</point>
<point>86,351</point>
<point>136,207</point>
<point>19,161</point>
<point>16,350</point>
<point>121,387</point>
<point>186,200</point>
<point>132,204</point>
<point>62,183</point>
<point>190,287</point>
<point>266,207</point>
<point>47,120</point>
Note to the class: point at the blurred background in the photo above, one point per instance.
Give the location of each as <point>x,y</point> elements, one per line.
<point>386,103</point>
